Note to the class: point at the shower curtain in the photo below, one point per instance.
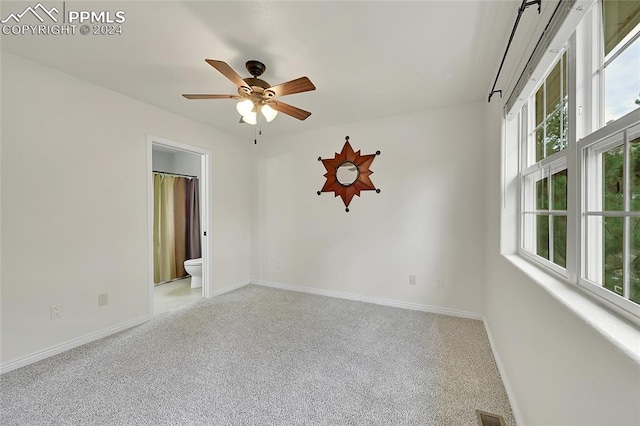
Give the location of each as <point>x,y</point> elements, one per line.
<point>176,225</point>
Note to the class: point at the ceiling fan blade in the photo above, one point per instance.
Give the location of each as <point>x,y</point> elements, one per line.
<point>294,112</point>
<point>211,96</point>
<point>227,71</point>
<point>299,85</point>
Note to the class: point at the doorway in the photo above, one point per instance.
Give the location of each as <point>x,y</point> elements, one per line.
<point>171,160</point>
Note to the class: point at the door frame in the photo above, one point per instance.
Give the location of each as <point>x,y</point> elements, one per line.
<point>205,210</point>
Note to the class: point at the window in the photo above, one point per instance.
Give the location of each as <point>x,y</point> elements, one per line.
<point>619,57</point>
<point>550,106</point>
<point>579,164</point>
<point>612,214</point>
<point>545,214</point>
<point>544,178</point>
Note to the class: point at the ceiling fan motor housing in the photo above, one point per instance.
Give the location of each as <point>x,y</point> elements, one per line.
<point>257,85</point>
<point>255,68</point>
<point>256,88</point>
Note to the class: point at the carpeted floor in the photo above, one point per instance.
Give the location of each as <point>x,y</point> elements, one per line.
<point>260,356</point>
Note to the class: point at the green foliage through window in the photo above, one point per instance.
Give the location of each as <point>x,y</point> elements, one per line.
<point>613,229</point>
<point>551,224</point>
<point>551,112</point>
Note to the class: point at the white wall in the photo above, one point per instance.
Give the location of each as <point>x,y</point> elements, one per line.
<point>427,221</point>
<point>178,162</point>
<point>74,205</point>
<point>559,368</point>
<point>162,160</point>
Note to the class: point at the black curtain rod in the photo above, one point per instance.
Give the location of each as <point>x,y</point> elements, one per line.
<point>567,4</point>
<point>525,4</point>
<point>175,174</point>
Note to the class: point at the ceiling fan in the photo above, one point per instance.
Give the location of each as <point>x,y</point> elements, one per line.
<point>256,95</point>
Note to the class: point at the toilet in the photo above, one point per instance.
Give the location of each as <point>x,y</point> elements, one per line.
<point>194,268</point>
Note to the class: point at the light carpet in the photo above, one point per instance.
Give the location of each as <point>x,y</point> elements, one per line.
<point>261,356</point>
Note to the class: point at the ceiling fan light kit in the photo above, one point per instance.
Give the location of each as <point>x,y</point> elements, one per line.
<point>268,113</point>
<point>250,118</point>
<point>245,107</point>
<point>256,95</point>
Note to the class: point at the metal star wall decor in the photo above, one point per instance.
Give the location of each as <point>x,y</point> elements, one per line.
<point>348,173</point>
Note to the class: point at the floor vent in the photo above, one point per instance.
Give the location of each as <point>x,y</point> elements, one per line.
<point>488,419</point>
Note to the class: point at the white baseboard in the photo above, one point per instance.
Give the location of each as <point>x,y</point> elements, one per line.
<point>368,299</point>
<point>58,349</point>
<point>229,288</point>
<point>503,375</point>
<point>63,347</point>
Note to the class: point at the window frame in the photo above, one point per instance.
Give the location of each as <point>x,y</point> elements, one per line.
<point>548,166</point>
<point>602,140</point>
<point>601,61</point>
<point>586,128</point>
<point>556,164</point>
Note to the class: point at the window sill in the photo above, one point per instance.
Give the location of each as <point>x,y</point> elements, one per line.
<point>616,329</point>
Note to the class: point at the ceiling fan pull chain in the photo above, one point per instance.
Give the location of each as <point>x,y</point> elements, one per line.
<point>255,129</point>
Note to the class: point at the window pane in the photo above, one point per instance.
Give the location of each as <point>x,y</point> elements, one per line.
<point>634,260</point>
<point>619,18</point>
<point>540,105</point>
<point>554,136</point>
<point>542,195</point>
<point>539,144</point>
<point>542,236</point>
<point>559,190</point>
<point>634,169</point>
<point>622,83</point>
<point>612,179</point>
<point>560,240</point>
<point>552,84</point>
<point>612,254</point>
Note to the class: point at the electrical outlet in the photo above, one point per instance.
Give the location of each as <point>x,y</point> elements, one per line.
<point>56,311</point>
<point>103,299</point>
<point>412,280</point>
<point>439,282</point>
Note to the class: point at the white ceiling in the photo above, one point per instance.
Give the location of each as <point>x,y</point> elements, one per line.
<point>367,59</point>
